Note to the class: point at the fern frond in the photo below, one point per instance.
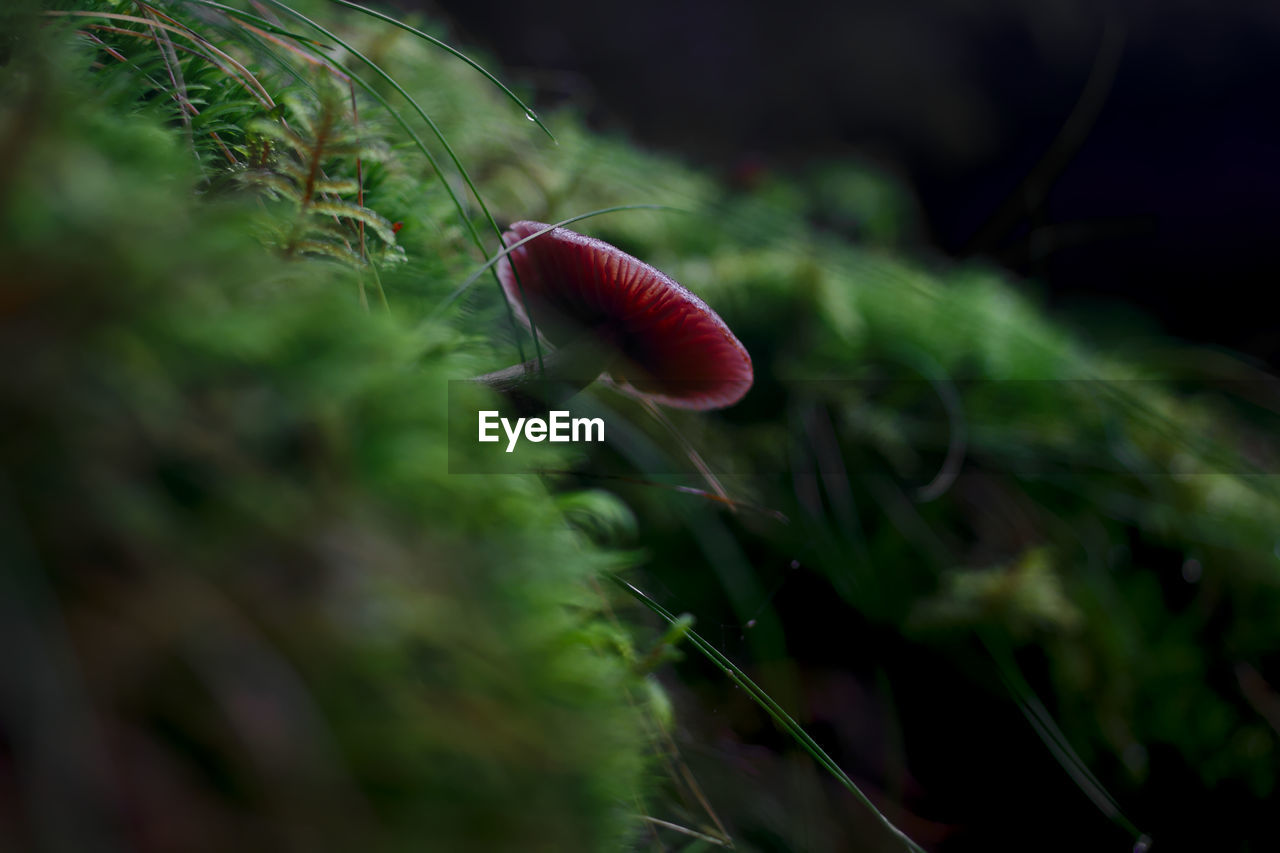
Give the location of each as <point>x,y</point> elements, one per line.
<point>348,210</point>
<point>329,249</point>
<point>337,186</point>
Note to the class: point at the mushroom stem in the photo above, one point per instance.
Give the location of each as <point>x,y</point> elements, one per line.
<point>566,371</point>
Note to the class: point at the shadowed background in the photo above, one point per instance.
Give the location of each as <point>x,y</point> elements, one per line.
<point>1121,153</point>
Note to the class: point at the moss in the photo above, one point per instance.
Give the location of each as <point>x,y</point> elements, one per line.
<point>294,627</point>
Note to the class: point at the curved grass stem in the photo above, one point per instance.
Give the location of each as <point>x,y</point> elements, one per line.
<point>506,250</point>
<point>440,137</point>
<point>774,710</point>
<point>395,114</point>
<point>528,111</point>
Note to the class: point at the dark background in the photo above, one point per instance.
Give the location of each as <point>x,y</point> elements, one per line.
<point>1121,153</point>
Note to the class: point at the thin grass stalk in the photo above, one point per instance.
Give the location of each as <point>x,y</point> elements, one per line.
<point>170,58</point>
<point>528,111</point>
<point>355,120</point>
<point>779,715</point>
<point>670,755</point>
<point>691,452</point>
<point>440,137</point>
<point>252,85</point>
<point>684,830</point>
<point>1053,737</point>
<point>506,250</point>
<point>119,57</point>
<point>346,74</point>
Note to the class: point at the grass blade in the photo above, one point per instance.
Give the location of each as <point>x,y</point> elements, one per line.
<point>440,137</point>
<point>528,111</point>
<point>460,289</point>
<point>1052,736</point>
<point>780,716</point>
<point>435,130</point>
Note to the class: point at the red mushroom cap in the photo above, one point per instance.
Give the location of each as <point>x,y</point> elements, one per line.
<point>686,355</point>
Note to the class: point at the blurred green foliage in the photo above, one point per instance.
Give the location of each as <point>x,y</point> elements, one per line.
<point>291,628</point>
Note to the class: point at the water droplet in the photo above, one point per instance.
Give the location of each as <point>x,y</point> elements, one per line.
<point>1142,845</point>
<point>795,564</point>
<point>530,115</point>
<point>751,623</point>
<point>1192,570</point>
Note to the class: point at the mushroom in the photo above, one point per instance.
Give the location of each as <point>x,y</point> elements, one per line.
<point>609,312</point>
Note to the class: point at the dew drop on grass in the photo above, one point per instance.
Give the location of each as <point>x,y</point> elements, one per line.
<point>1142,845</point>
<point>530,115</point>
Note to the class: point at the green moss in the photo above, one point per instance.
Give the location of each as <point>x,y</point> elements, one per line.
<point>294,626</point>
